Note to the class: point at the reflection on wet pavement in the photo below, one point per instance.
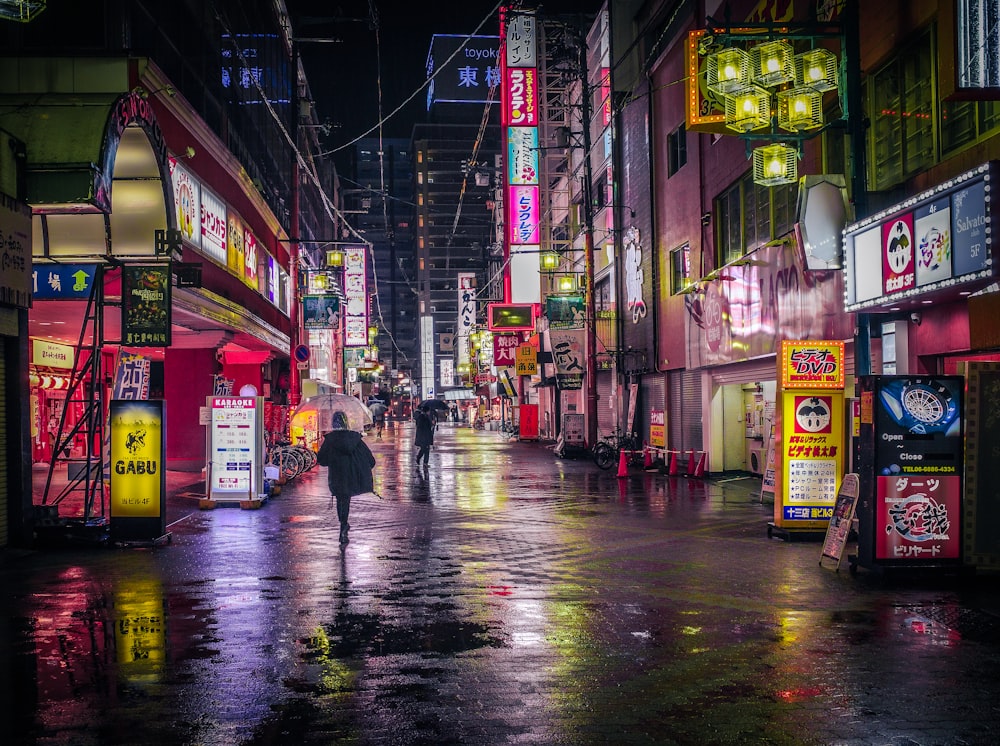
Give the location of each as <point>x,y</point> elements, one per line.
<point>502,596</point>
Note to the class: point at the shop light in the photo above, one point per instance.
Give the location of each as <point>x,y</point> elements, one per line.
<point>335,259</point>
<point>726,71</point>
<point>817,69</point>
<point>549,260</point>
<point>566,284</point>
<point>748,110</point>
<point>771,63</point>
<point>774,165</point>
<point>800,109</point>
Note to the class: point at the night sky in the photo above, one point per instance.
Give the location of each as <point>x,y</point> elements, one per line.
<point>343,76</point>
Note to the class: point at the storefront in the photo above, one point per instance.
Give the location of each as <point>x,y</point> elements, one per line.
<point>160,192</point>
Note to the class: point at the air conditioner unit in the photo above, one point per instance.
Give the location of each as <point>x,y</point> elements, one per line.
<point>757,459</point>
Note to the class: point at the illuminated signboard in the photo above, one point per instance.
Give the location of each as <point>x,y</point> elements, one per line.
<point>511,317</point>
<point>255,69</point>
<point>812,365</point>
<point>935,246</point>
<point>249,275</point>
<point>138,479</point>
<point>146,306</point>
<point>355,297</point>
<point>187,202</point>
<point>470,73</point>
<point>522,155</point>
<point>320,311</point>
<point>520,35</point>
<point>522,96</point>
<point>213,226</point>
<point>523,202</point>
<point>235,236</point>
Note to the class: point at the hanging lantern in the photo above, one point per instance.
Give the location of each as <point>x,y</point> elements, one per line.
<point>817,69</point>
<point>566,284</point>
<point>774,165</point>
<point>335,258</point>
<point>771,63</point>
<point>748,110</point>
<point>726,71</point>
<point>549,260</point>
<point>800,109</point>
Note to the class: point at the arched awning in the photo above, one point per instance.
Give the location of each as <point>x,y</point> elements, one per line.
<point>79,145</point>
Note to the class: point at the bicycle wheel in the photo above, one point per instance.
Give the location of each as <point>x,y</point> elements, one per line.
<point>604,456</point>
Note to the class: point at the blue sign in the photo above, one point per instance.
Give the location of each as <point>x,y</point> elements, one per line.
<point>62,281</point>
<point>301,353</point>
<point>969,214</point>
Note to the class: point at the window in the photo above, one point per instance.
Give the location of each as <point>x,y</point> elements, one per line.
<point>677,150</point>
<point>680,269</point>
<point>901,106</point>
<point>966,122</point>
<point>749,215</point>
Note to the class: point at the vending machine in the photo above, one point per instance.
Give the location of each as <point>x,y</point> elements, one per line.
<point>910,463</point>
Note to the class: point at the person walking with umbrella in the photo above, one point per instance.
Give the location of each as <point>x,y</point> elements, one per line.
<point>378,412</point>
<point>424,436</point>
<point>349,464</point>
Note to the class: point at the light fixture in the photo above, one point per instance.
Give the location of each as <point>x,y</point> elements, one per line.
<point>817,69</point>
<point>771,63</point>
<point>748,110</point>
<point>566,284</point>
<point>549,260</point>
<point>726,71</point>
<point>800,109</point>
<point>22,11</point>
<point>774,165</point>
<point>335,258</point>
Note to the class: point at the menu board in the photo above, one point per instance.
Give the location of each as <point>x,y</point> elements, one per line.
<point>840,522</point>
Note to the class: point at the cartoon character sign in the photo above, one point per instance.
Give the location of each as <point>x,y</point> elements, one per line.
<point>898,271</point>
<point>813,414</point>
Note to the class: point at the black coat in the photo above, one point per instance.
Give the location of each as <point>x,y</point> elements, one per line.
<point>349,463</point>
<point>424,435</point>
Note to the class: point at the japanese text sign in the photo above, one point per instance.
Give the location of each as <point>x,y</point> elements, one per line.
<point>812,365</point>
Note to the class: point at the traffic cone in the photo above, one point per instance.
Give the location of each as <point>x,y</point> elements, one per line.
<point>699,468</point>
<point>622,464</point>
<point>647,457</point>
<point>690,471</point>
<point>672,469</point>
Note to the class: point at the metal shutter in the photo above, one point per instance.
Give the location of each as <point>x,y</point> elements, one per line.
<point>606,415</point>
<point>652,395</point>
<point>4,456</point>
<point>684,428</point>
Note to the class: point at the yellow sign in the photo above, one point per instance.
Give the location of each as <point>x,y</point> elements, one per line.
<point>136,459</point>
<point>51,355</point>
<point>526,360</point>
<point>812,455</point>
<point>812,365</point>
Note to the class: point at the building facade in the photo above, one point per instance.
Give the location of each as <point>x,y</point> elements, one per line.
<point>159,146</point>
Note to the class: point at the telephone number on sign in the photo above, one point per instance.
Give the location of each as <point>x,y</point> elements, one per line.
<point>928,470</point>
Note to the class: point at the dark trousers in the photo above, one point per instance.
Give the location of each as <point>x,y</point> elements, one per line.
<point>423,452</point>
<point>343,508</point>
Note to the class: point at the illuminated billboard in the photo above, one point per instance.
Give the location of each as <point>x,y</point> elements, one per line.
<point>935,246</point>
<point>464,68</point>
<point>511,317</point>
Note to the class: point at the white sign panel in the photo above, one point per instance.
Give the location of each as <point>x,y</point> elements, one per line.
<point>213,226</point>
<point>355,297</point>
<point>187,202</point>
<point>234,450</point>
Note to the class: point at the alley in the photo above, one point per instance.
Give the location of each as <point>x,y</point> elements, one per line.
<point>503,596</point>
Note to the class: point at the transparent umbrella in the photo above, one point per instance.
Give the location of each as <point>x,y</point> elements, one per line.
<point>324,406</point>
<point>377,408</point>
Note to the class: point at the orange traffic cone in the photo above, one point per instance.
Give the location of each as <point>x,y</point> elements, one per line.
<point>647,457</point>
<point>690,469</point>
<point>699,469</point>
<point>622,464</point>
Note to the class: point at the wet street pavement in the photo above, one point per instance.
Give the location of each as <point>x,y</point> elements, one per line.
<point>502,597</point>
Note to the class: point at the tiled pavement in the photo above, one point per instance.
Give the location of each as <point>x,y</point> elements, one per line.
<point>503,596</point>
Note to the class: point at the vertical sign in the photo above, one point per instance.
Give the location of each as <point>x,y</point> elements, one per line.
<point>918,468</point>
<point>213,226</point>
<point>811,460</point>
<point>138,479</point>
<point>355,297</point>
<point>466,313</point>
<point>235,446</point>
<point>131,377</point>
<point>519,125</point>
<point>146,306</point>
<point>187,203</point>
<point>567,353</point>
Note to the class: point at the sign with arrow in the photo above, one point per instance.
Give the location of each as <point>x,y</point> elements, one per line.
<point>62,281</point>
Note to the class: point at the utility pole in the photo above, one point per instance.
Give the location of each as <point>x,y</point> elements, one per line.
<point>588,247</point>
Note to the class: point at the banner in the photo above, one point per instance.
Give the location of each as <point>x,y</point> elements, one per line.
<point>568,355</point>
<point>131,377</point>
<point>138,479</point>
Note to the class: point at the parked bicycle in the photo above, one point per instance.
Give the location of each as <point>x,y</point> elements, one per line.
<point>290,460</point>
<point>606,452</point>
